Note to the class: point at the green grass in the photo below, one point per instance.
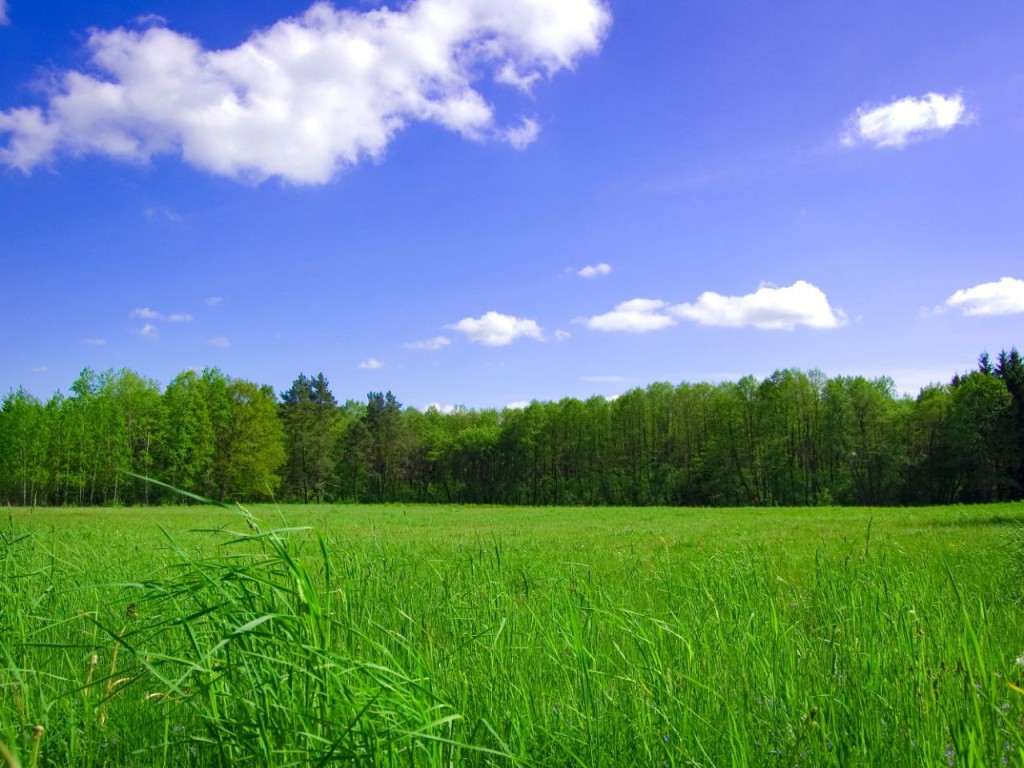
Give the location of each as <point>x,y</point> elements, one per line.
<point>404,636</point>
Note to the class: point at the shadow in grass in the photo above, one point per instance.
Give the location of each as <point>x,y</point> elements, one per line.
<point>981,522</point>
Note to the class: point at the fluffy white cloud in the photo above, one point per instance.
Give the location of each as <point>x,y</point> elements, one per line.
<point>181,317</point>
<point>308,95</point>
<point>634,316</point>
<point>518,405</point>
<point>894,124</point>
<point>595,270</point>
<point>221,342</point>
<point>3,12</point>
<point>768,307</point>
<point>213,301</point>
<point>561,335</point>
<point>145,313</point>
<point>148,331</point>
<point>95,342</point>
<point>371,365</point>
<point>1005,297</point>
<point>524,134</point>
<point>430,345</point>
<point>496,330</point>
<point>445,409</point>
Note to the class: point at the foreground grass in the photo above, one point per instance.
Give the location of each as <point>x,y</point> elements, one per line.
<point>478,636</point>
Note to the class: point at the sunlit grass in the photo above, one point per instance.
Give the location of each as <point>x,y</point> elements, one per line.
<point>490,636</point>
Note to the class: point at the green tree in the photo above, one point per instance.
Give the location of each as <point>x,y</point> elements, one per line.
<point>133,410</point>
<point>309,414</point>
<point>186,438</point>
<point>249,442</point>
<point>382,436</point>
<point>24,432</point>
<point>980,431</point>
<point>1009,368</point>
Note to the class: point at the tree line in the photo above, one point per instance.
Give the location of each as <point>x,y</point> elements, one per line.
<point>794,438</point>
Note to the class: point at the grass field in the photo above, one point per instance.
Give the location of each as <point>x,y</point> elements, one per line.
<point>399,636</point>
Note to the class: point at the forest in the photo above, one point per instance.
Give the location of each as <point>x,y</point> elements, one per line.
<point>794,438</point>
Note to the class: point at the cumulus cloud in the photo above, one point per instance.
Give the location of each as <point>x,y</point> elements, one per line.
<point>148,331</point>
<point>221,342</point>
<point>768,307</point>
<point>309,95</point>
<point>1004,297</point>
<point>145,313</point>
<point>518,405</point>
<point>181,317</point>
<point>561,335</point>
<point>95,342</point>
<point>149,20</point>
<point>430,345</point>
<point>896,123</point>
<point>633,316</point>
<point>524,134</point>
<point>445,409</point>
<point>595,270</point>
<point>494,329</point>
<point>371,365</point>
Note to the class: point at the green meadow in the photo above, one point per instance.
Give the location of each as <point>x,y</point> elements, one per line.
<point>443,635</point>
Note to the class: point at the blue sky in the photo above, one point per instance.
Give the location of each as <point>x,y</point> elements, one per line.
<point>481,203</point>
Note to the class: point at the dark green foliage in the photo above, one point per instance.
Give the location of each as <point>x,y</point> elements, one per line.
<point>310,417</point>
<point>794,438</point>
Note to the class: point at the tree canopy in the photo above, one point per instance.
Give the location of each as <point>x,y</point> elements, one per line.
<point>794,438</point>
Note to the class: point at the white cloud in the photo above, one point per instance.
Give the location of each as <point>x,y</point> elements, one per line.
<point>518,405</point>
<point>524,134</point>
<point>159,212</point>
<point>896,123</point>
<point>213,301</point>
<point>561,335</point>
<point>95,342</point>
<point>308,95</point>
<point>221,342</point>
<point>148,331</point>
<point>1005,297</point>
<point>430,345</point>
<point>146,313</point>
<point>509,76</point>
<point>38,369</point>
<point>595,270</point>
<point>634,316</point>
<point>445,409</point>
<point>150,20</point>
<point>768,308</point>
<point>3,13</point>
<point>496,330</point>
<point>371,365</point>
